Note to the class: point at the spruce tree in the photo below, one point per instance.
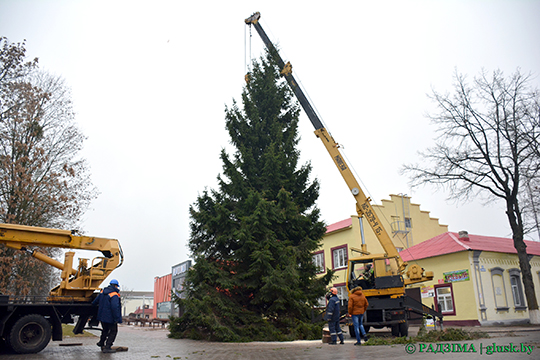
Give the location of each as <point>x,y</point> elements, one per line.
<point>252,240</point>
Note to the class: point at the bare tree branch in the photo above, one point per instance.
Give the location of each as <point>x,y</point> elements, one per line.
<point>488,145</point>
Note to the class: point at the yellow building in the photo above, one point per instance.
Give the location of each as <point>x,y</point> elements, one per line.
<point>405,222</point>
<point>477,278</point>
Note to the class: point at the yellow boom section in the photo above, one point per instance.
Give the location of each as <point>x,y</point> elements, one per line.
<point>363,205</point>
<point>77,283</point>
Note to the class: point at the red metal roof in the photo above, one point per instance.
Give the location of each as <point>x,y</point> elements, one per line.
<point>339,225</point>
<point>450,242</point>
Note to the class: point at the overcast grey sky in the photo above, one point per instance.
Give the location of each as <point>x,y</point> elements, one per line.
<point>150,81</point>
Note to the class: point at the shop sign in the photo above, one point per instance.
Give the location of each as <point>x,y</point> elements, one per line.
<point>458,275</point>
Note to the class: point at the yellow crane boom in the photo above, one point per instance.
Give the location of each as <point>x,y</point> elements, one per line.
<point>380,275</point>
<point>363,203</point>
<point>76,283</point>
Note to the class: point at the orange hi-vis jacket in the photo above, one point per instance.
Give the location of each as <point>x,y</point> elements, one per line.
<point>357,302</point>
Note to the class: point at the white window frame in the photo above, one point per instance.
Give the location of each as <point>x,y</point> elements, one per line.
<point>517,289</point>
<point>342,293</point>
<point>318,261</point>
<point>444,299</point>
<point>339,257</point>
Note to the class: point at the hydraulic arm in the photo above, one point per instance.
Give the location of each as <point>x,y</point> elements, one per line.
<point>77,283</point>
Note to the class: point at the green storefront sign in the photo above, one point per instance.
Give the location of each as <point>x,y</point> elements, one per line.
<point>458,275</point>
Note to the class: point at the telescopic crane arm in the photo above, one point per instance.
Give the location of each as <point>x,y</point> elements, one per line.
<point>286,71</point>
<point>363,205</point>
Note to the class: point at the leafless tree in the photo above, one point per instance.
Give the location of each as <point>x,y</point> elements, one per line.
<point>42,180</point>
<point>488,146</point>
<point>531,201</point>
<point>126,295</point>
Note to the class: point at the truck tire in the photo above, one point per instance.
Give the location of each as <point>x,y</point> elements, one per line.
<point>404,329</point>
<point>367,328</point>
<point>351,331</point>
<point>30,334</point>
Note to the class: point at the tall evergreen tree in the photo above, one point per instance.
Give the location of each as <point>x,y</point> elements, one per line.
<point>252,240</point>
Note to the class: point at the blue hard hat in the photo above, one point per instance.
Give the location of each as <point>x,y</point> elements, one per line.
<point>114,282</point>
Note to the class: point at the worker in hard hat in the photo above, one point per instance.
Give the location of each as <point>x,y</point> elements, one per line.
<point>110,315</point>
<point>332,316</point>
<point>368,276</point>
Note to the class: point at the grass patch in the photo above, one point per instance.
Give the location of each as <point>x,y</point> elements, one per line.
<point>67,331</point>
<point>450,334</point>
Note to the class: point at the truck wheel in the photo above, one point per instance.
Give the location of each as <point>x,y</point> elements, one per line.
<point>4,346</point>
<point>351,331</point>
<point>367,328</point>
<point>404,329</point>
<point>395,330</point>
<point>30,334</point>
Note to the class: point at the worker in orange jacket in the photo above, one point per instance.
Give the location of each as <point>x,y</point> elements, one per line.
<point>357,307</point>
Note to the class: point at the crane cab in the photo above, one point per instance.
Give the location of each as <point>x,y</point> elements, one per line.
<point>376,274</point>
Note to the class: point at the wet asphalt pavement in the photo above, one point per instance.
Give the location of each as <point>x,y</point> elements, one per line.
<point>145,343</point>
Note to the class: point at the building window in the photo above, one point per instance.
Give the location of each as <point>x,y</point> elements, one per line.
<point>517,290</point>
<point>318,261</point>
<point>444,299</point>
<point>321,303</point>
<point>342,293</point>
<point>339,257</point>
<point>408,223</point>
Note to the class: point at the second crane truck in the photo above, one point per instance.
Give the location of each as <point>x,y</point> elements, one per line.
<point>388,303</point>
<point>27,323</point>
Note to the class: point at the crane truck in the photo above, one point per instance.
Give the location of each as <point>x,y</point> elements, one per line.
<point>389,306</point>
<point>27,323</point>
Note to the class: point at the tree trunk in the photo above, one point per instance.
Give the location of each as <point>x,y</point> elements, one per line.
<point>524,265</point>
